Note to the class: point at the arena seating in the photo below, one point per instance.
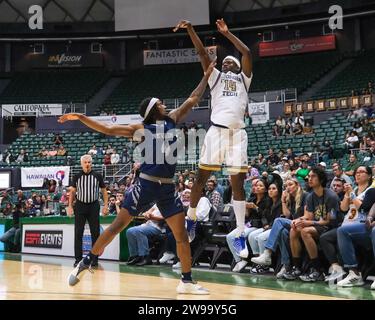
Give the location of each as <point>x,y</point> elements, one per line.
<point>354,77</point>
<point>54,86</point>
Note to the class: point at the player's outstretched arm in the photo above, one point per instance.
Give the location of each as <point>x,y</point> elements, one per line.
<point>246,61</point>
<point>126,131</point>
<point>198,45</point>
<point>180,113</point>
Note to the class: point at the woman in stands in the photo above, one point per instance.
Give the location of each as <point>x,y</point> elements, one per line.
<point>293,202</point>
<point>258,241</point>
<point>241,263</point>
<point>360,233</point>
<point>155,183</point>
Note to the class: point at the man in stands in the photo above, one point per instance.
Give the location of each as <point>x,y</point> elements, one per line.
<point>339,174</point>
<point>352,165</point>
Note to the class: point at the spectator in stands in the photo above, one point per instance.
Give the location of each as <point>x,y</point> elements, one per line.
<point>125,157</point>
<point>276,131</point>
<point>69,161</point>
<point>180,187</point>
<point>52,186</point>
<point>361,200</point>
<point>315,146</point>
<point>214,196</point>
<point>326,151</point>
<point>288,129</point>
<point>43,152</point>
<point>302,173</point>
<point>328,240</point>
<point>107,159</point>
<point>321,203</point>
<point>109,150</point>
<point>57,139</point>
<point>290,154</point>
<point>299,119</point>
<point>93,151</point>
<point>252,173</point>
<point>248,119</point>
<point>285,173</point>
<point>193,125</point>
<point>46,183</point>
<point>112,205</point>
<point>273,157</point>
<point>61,151</point>
<point>367,126</point>
<point>219,188</point>
<point>258,239</point>
<point>293,166</point>
<point>5,199</point>
<point>308,129</point>
<point>359,112</point>
<point>139,236</point>
<point>339,174</point>
<point>115,157</point>
<point>38,205</point>
<point>119,200</point>
<point>53,152</point>
<point>22,156</point>
<point>357,127</point>
<point>261,160</point>
<point>64,200</point>
<point>21,198</point>
<point>298,129</point>
<point>280,124</point>
<point>352,165</point>
<point>15,231</point>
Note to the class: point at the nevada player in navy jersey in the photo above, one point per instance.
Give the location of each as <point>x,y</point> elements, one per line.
<point>155,185</point>
<point>226,140</point>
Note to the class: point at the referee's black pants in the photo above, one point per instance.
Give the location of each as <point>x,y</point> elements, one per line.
<point>83,212</point>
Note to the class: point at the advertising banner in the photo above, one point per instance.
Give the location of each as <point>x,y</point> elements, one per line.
<point>122,119</point>
<point>303,45</point>
<point>259,112</point>
<point>33,177</point>
<point>174,56</point>
<point>36,110</point>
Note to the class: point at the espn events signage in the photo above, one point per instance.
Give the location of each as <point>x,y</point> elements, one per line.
<point>259,112</point>
<point>188,55</point>
<point>38,110</point>
<point>33,177</point>
<point>278,48</point>
<point>65,60</point>
<point>51,239</point>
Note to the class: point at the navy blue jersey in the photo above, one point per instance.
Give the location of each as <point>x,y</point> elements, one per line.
<point>158,150</point>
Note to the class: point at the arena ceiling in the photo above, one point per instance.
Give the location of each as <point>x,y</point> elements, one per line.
<point>58,10</point>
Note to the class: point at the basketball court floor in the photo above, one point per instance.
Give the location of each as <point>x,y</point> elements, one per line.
<point>40,277</point>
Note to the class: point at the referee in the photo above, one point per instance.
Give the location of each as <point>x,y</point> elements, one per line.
<point>85,186</point>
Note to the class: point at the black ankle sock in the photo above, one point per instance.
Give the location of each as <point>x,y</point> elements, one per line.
<point>297,262</point>
<point>315,263</point>
<point>186,277</point>
<point>89,258</point>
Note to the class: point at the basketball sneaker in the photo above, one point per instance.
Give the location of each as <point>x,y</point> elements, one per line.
<point>264,259</point>
<point>191,226</point>
<point>351,280</point>
<point>239,244</point>
<point>280,274</point>
<point>292,273</point>
<point>191,288</point>
<point>240,266</point>
<point>78,271</point>
<point>312,276</point>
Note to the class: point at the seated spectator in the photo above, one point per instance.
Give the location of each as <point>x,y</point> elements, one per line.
<point>302,173</point>
<point>109,150</point>
<point>38,205</point>
<point>93,151</point>
<point>258,239</point>
<point>321,203</point>
<point>53,152</point>
<point>61,151</point>
<point>119,200</point>
<point>8,157</point>
<point>299,119</point>
<point>357,233</point>
<point>139,236</point>
<point>261,160</point>
<point>285,173</point>
<point>125,157</point>
<point>115,157</point>
<point>22,156</point>
<point>252,173</point>
<point>180,187</point>
<point>280,123</point>
<point>15,231</point>
<point>21,198</point>
<point>5,199</point>
<point>272,157</point>
<point>357,127</point>
<point>288,129</point>
<point>352,165</point>
<point>339,174</point>
<point>52,186</point>
<point>290,154</point>
<point>107,159</point>
<point>276,131</point>
<point>57,139</point>
<point>367,126</point>
<point>326,151</point>
<point>69,161</point>
<point>298,129</point>
<point>308,129</point>
<point>359,113</point>
<point>112,205</point>
<point>43,152</point>
<point>214,196</point>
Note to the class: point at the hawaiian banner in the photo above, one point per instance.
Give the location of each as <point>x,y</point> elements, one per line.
<point>278,48</point>
<point>33,177</point>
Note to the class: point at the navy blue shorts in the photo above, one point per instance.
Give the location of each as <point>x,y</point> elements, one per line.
<point>146,193</point>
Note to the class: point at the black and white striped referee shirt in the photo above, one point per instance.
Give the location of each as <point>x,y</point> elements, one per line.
<point>87,186</point>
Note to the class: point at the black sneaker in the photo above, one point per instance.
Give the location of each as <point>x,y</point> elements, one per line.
<point>312,276</point>
<point>78,270</point>
<point>292,274</point>
<point>133,260</point>
<point>258,269</point>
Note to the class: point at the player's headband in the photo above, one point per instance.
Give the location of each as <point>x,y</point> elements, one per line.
<point>149,107</point>
<point>235,60</point>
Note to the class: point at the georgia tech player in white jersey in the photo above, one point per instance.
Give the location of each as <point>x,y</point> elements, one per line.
<point>226,140</point>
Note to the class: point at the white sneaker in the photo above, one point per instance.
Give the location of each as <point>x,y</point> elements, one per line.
<point>373,286</point>
<point>240,266</point>
<point>351,280</point>
<point>264,259</point>
<point>166,257</point>
<point>177,265</point>
<point>280,274</point>
<point>244,253</point>
<point>191,288</point>
<point>336,276</point>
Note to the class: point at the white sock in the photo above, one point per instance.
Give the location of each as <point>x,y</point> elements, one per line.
<point>240,212</point>
<point>192,213</point>
<point>267,253</point>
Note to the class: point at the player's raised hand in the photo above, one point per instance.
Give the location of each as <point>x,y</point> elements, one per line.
<point>69,117</point>
<point>183,24</point>
<point>222,26</point>
<point>210,68</point>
